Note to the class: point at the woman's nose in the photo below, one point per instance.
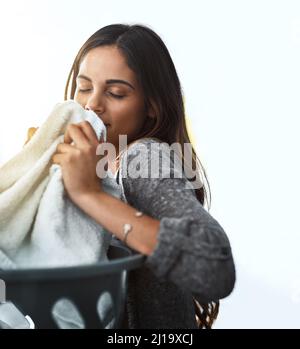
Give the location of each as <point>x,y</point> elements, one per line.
<point>95,105</point>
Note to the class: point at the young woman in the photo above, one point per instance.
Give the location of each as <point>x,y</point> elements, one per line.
<point>126,76</point>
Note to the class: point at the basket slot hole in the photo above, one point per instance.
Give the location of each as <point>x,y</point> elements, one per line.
<point>66,315</point>
<point>106,310</point>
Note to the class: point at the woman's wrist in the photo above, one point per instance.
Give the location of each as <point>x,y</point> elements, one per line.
<point>83,199</point>
<point>114,215</point>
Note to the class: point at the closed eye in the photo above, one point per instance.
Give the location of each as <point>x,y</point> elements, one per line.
<point>83,91</point>
<point>116,96</point>
<point>110,93</point>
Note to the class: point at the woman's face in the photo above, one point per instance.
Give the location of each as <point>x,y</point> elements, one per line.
<point>106,85</point>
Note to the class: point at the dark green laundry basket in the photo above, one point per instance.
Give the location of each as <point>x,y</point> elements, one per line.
<point>35,291</point>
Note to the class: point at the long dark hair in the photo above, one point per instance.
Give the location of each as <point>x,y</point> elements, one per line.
<point>147,55</point>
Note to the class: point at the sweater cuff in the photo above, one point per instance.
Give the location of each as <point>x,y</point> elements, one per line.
<point>169,245</point>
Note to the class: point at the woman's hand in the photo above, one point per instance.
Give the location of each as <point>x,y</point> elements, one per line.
<point>79,160</point>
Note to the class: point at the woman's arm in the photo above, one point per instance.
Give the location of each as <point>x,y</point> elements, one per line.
<point>184,243</point>
<point>78,160</point>
<point>113,213</point>
<point>192,249</point>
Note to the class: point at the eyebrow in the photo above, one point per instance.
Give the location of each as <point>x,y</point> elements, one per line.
<point>108,82</point>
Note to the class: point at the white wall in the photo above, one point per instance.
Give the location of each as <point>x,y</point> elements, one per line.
<point>239,65</point>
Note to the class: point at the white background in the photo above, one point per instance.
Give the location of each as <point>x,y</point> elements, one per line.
<point>239,64</point>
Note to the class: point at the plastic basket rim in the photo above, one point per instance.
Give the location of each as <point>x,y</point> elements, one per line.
<point>117,265</point>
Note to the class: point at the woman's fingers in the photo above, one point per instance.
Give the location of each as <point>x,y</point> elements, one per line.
<point>64,148</point>
<point>75,134</point>
<point>89,132</point>
<point>57,159</point>
<point>63,152</point>
<point>84,137</point>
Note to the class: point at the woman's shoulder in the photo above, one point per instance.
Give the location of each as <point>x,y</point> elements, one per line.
<point>143,149</point>
<point>149,146</point>
<point>147,149</point>
<point>153,159</point>
<point>142,142</point>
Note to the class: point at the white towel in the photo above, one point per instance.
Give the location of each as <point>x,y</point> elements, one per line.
<point>39,225</point>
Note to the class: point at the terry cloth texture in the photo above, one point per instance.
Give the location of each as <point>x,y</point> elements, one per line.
<point>40,227</point>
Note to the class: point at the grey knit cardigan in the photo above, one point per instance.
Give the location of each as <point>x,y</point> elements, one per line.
<point>193,256</point>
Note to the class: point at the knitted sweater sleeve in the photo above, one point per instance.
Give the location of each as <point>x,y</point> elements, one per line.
<point>193,250</point>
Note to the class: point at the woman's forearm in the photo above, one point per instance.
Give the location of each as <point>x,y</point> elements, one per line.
<point>113,213</point>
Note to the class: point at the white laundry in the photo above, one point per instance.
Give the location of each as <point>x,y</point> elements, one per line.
<point>39,225</point>
<point>37,219</point>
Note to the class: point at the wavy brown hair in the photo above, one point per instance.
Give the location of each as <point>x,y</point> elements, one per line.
<point>147,55</point>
